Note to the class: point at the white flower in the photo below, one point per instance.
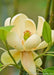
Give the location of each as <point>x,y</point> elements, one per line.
<point>25,38</point>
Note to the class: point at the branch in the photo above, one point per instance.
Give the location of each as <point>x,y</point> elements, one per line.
<point>52,16</point>
<point>48,10</point>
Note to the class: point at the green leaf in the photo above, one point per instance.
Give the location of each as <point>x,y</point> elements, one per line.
<point>46,32</point>
<point>48,71</point>
<point>7,28</point>
<point>4,31</point>
<point>1,65</point>
<point>52,49</point>
<point>1,69</point>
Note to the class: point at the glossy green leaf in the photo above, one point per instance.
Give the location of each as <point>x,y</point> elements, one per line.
<point>4,31</point>
<point>48,71</point>
<point>46,32</point>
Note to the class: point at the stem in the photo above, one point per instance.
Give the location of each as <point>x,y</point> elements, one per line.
<point>39,56</point>
<point>47,15</point>
<point>52,16</point>
<point>16,5</point>
<point>39,70</point>
<point>43,53</point>
<point>48,10</point>
<point>2,49</point>
<point>50,52</point>
<point>21,71</point>
<point>49,46</point>
<point>12,56</point>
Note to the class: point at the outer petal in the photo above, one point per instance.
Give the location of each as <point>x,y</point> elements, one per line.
<point>32,42</point>
<point>53,36</point>
<point>14,41</point>
<point>6,59</point>
<point>40,25</point>
<point>42,45</point>
<point>7,21</point>
<point>19,24</point>
<point>38,62</point>
<point>28,63</point>
<point>30,26</point>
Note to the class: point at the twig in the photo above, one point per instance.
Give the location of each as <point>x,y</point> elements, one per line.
<point>48,10</point>
<point>52,16</point>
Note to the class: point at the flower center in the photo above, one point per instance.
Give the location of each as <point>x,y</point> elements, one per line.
<point>27,34</point>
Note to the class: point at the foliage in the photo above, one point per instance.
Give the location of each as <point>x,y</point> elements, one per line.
<point>4,31</point>
<point>47,32</point>
<point>48,71</point>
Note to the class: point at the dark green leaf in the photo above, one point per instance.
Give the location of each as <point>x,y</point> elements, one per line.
<point>4,31</point>
<point>51,49</point>
<point>46,32</point>
<point>48,71</point>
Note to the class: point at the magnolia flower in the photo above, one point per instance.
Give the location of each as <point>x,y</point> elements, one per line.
<point>25,38</point>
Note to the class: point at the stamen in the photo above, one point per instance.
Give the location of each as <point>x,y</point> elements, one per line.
<point>27,34</point>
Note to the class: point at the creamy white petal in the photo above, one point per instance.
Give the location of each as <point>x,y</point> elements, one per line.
<point>32,42</point>
<point>30,26</point>
<point>38,62</point>
<point>41,21</point>
<point>7,21</point>
<point>42,45</point>
<point>7,60</point>
<point>19,24</point>
<point>53,36</point>
<point>14,41</point>
<point>28,62</point>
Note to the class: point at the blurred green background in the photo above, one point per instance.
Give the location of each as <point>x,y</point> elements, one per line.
<point>33,9</point>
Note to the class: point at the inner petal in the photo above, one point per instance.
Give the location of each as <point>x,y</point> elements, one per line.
<point>27,34</point>
<point>19,24</point>
<point>30,26</point>
<point>32,42</point>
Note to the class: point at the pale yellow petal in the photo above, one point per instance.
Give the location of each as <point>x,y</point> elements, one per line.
<point>40,25</point>
<point>7,21</point>
<point>32,42</point>
<point>19,24</point>
<point>30,26</point>
<point>28,62</point>
<point>14,41</point>
<point>38,62</point>
<point>42,45</point>
<point>6,59</point>
<point>53,36</point>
